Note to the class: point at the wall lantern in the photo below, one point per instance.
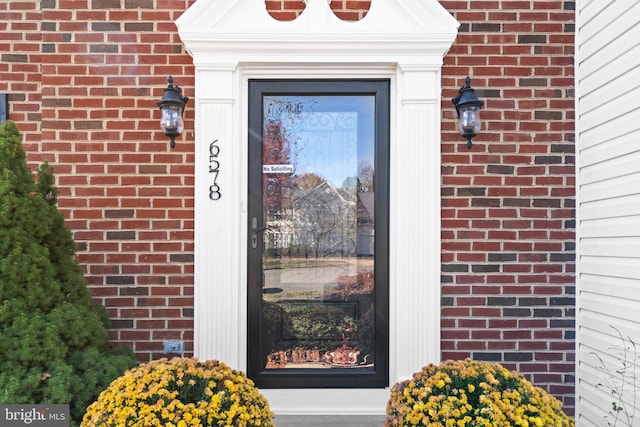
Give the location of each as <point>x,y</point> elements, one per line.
<point>172,106</point>
<point>468,107</point>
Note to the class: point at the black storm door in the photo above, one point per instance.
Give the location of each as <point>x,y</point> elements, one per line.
<point>318,258</point>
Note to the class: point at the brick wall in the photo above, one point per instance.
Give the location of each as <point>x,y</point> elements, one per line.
<point>508,226</point>
<point>349,10</point>
<point>84,77</point>
<point>20,66</point>
<point>126,195</point>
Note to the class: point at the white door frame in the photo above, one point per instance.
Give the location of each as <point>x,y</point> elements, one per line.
<point>232,41</point>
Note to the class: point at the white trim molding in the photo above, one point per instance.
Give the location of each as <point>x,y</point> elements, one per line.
<point>233,41</point>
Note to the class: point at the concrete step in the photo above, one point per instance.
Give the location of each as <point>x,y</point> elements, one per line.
<point>329,420</point>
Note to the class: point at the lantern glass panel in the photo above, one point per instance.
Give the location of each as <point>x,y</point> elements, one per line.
<point>171,121</point>
<point>469,123</point>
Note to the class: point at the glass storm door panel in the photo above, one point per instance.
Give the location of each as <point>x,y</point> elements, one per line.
<point>318,233</point>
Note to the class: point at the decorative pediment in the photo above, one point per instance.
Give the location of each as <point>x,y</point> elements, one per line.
<point>390,27</point>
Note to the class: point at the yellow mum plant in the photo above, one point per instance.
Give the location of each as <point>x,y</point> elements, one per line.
<point>180,392</point>
<point>472,394</point>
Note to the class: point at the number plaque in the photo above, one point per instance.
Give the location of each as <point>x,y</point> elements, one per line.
<point>214,170</point>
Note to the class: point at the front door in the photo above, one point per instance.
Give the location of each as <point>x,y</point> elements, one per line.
<point>318,233</point>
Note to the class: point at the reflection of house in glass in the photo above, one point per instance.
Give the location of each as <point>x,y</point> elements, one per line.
<point>366,224</point>
<point>323,221</point>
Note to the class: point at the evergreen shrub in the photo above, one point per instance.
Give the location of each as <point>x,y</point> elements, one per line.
<point>53,335</point>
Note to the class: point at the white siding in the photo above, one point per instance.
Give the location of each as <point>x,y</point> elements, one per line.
<point>609,201</point>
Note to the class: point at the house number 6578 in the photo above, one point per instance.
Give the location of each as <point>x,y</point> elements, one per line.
<point>214,169</point>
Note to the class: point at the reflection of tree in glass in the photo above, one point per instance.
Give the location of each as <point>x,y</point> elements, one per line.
<point>315,322</point>
<point>277,186</point>
<point>366,174</point>
<point>309,181</point>
<point>280,116</point>
<point>360,288</point>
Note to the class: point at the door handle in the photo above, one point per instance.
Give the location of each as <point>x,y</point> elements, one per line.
<point>254,232</point>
